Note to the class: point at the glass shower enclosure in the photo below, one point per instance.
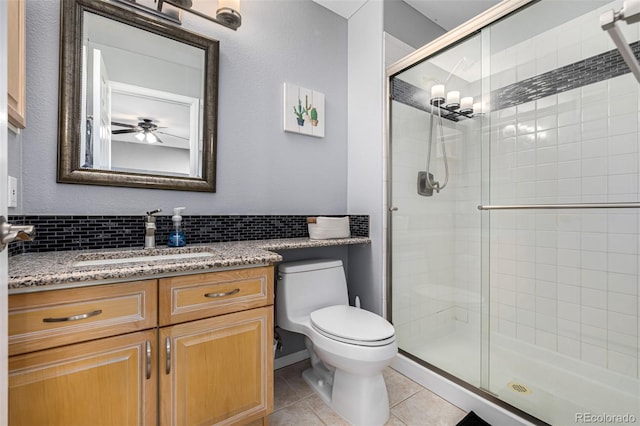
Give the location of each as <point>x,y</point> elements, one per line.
<point>514,233</point>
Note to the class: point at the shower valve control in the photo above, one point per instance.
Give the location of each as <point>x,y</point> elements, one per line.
<point>426,184</point>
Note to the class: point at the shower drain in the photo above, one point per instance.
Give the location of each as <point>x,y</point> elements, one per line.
<point>519,388</point>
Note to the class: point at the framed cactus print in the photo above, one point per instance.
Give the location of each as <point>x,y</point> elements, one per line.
<point>303,111</point>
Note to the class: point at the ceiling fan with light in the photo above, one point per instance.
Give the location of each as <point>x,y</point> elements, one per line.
<point>145,130</point>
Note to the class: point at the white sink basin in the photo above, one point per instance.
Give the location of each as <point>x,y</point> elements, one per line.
<point>142,258</point>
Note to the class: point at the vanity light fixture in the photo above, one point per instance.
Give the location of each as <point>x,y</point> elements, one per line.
<point>227,14</point>
<point>453,107</point>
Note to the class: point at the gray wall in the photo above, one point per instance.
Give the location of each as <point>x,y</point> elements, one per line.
<point>366,153</point>
<point>261,169</point>
<point>407,24</point>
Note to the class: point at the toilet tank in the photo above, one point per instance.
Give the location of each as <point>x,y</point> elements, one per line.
<point>308,285</point>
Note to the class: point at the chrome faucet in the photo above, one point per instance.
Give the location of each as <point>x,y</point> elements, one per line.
<point>150,229</point>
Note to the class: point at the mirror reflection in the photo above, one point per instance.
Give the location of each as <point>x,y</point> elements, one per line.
<point>138,100</point>
<point>142,101</point>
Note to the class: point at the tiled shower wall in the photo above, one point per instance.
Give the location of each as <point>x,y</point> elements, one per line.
<point>436,240</point>
<point>567,280</point>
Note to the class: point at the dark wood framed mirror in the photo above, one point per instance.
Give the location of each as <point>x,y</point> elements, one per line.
<point>138,100</point>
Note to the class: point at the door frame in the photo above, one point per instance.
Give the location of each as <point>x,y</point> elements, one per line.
<point>4,349</point>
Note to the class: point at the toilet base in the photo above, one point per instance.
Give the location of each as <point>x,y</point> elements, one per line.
<point>320,386</point>
<point>361,400</point>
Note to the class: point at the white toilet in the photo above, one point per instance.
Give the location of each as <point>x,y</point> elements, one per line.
<point>349,347</point>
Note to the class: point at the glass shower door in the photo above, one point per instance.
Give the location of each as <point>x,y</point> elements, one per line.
<point>435,182</point>
<point>564,280</point>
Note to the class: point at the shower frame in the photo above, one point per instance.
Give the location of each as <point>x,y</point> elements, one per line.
<point>442,43</point>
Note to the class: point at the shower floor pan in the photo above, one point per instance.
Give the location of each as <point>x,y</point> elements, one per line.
<point>559,388</point>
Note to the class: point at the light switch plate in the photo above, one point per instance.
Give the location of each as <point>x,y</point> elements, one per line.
<point>13,192</point>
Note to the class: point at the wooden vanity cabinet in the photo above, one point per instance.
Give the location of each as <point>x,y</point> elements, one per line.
<point>217,369</point>
<point>84,356</point>
<point>187,350</point>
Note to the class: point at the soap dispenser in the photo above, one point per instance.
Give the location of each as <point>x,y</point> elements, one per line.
<point>176,237</point>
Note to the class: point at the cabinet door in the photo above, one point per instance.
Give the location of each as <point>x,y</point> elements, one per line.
<point>217,370</point>
<point>16,62</point>
<point>110,381</point>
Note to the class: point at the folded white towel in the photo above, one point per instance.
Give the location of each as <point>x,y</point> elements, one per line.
<point>329,227</point>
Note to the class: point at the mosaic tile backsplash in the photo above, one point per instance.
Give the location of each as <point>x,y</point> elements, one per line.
<point>57,233</point>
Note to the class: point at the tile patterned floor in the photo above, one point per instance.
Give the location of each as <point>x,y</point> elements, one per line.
<point>295,403</point>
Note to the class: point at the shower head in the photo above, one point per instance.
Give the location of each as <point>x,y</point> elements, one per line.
<point>630,13</point>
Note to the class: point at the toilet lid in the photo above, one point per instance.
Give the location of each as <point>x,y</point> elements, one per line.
<point>352,325</point>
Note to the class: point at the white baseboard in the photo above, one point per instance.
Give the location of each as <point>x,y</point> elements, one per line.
<point>283,361</point>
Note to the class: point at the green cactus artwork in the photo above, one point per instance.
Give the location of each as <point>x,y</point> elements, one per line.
<point>299,112</point>
<point>308,107</point>
<point>313,115</point>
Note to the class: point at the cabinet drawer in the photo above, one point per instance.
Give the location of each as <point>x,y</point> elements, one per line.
<point>190,297</point>
<point>59,317</point>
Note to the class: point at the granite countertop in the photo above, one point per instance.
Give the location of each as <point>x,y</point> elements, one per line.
<point>32,271</point>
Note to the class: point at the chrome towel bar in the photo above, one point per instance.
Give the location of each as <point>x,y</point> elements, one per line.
<point>561,206</point>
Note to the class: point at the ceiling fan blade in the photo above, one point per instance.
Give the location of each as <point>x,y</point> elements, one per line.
<point>131,126</point>
<point>174,136</point>
<point>117,132</point>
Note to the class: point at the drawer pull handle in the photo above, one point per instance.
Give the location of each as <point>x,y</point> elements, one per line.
<point>148,359</point>
<point>223,294</point>
<point>74,317</point>
<point>168,346</point>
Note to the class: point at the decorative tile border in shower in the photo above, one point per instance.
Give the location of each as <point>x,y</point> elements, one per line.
<point>410,95</point>
<point>591,70</point>
<point>597,68</point>
<point>58,233</point>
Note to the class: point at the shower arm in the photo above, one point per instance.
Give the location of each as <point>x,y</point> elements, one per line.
<point>630,13</point>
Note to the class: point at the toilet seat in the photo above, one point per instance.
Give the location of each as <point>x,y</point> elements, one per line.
<point>352,325</point>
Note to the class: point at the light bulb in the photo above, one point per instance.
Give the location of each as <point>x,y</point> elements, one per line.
<point>151,138</point>
<point>229,13</point>
<point>231,4</point>
<point>466,105</point>
<point>437,94</point>
<point>453,99</point>
<point>437,91</point>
